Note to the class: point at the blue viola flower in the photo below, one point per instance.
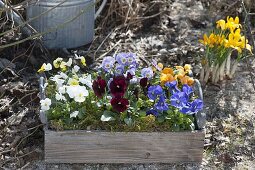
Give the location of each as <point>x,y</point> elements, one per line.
<point>187,89</point>
<point>154,92</point>
<point>119,69</point>
<point>147,72</point>
<point>172,86</point>
<point>152,112</point>
<point>179,100</point>
<point>192,107</point>
<point>122,59</point>
<point>161,104</point>
<point>108,63</point>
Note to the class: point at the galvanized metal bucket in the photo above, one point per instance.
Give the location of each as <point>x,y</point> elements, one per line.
<point>64,23</point>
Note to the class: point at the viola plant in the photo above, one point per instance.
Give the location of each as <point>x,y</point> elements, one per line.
<point>121,96</point>
<point>132,95</point>
<point>224,48</point>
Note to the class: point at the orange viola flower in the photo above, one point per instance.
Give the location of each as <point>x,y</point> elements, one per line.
<point>168,70</point>
<point>166,78</point>
<point>187,80</point>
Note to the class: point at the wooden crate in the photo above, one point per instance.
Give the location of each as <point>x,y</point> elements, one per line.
<point>122,147</point>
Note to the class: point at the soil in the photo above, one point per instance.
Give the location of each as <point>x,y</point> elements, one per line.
<point>171,36</point>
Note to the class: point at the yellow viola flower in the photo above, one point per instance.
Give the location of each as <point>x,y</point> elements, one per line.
<point>63,66</point>
<point>221,24</point>
<point>83,60</point>
<point>56,63</point>
<point>187,68</point>
<point>160,65</point>
<point>45,67</point>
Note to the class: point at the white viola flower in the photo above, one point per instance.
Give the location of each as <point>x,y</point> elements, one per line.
<point>69,62</point>
<point>74,114</point>
<point>75,69</point>
<point>48,67</point>
<point>57,79</point>
<point>87,81</point>
<point>78,93</point>
<point>62,90</point>
<point>73,82</point>
<point>63,75</point>
<point>45,104</point>
<point>59,96</point>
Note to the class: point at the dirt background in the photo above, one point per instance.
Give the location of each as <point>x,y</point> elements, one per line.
<point>166,30</point>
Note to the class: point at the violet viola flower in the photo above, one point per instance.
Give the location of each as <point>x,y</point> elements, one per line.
<point>152,112</point>
<point>172,86</point>
<point>161,104</point>
<point>192,107</point>
<point>108,63</point>
<point>147,72</point>
<point>179,100</point>
<point>154,92</point>
<point>122,59</point>
<point>119,69</point>
<point>131,58</point>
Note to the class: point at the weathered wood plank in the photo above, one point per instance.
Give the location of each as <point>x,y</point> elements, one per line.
<point>121,147</point>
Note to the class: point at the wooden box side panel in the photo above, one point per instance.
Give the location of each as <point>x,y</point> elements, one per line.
<point>121,147</point>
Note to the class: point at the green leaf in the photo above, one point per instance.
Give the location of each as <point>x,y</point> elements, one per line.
<point>142,113</point>
<point>161,119</point>
<point>107,116</point>
<point>128,121</point>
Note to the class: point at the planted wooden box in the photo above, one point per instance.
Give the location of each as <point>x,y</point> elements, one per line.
<point>124,147</point>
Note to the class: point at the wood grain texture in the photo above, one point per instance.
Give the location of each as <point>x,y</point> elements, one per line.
<point>121,147</point>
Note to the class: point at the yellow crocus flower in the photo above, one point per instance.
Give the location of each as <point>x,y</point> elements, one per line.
<point>221,24</point>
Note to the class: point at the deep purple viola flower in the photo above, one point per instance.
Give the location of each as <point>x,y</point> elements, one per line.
<point>179,99</point>
<point>118,86</point>
<point>172,86</point>
<point>192,107</point>
<point>122,59</point>
<point>99,86</point>
<point>154,92</point>
<point>119,69</point>
<point>161,104</point>
<point>147,72</point>
<point>187,89</point>
<point>152,112</point>
<point>144,82</point>
<point>129,76</point>
<point>108,63</point>
<point>119,104</point>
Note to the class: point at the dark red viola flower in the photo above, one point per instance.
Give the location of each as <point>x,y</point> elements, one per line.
<point>129,76</point>
<point>119,104</point>
<point>118,86</point>
<point>99,87</point>
<point>143,82</point>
